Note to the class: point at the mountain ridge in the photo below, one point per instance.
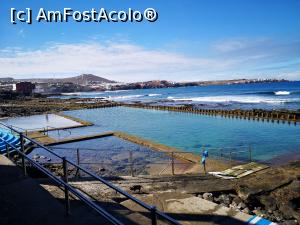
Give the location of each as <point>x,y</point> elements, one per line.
<point>82,79</point>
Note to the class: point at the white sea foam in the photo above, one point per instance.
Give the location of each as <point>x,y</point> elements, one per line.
<point>237,99</point>
<point>71,94</point>
<point>117,91</point>
<point>282,93</point>
<point>124,97</point>
<point>152,95</point>
<point>83,93</point>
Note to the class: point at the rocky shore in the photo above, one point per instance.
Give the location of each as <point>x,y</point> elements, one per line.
<point>32,106</point>
<point>273,193</point>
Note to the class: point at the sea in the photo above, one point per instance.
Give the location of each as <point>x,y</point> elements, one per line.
<point>232,138</point>
<point>275,95</point>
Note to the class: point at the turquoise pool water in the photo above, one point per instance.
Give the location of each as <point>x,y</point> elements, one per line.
<point>189,132</point>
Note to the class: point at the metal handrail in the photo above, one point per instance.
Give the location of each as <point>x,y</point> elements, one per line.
<point>39,129</point>
<point>152,209</point>
<point>59,181</point>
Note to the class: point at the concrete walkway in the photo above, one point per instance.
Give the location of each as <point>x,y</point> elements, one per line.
<point>25,202</point>
<point>189,209</point>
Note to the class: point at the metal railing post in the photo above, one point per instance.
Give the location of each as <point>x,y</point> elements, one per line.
<point>153,215</point>
<point>22,156</point>
<point>67,197</point>
<point>7,151</point>
<point>173,171</point>
<point>77,174</point>
<point>131,163</point>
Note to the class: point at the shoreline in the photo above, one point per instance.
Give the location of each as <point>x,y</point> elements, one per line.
<point>275,184</point>
<point>184,109</point>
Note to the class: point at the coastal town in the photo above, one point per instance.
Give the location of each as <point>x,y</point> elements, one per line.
<point>90,83</point>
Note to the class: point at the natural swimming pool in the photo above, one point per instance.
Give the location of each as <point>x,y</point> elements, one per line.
<point>38,122</point>
<point>112,153</point>
<point>189,132</point>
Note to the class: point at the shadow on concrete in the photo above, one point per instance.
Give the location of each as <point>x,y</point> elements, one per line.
<point>24,202</point>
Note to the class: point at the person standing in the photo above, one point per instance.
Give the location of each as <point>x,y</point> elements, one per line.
<point>203,160</point>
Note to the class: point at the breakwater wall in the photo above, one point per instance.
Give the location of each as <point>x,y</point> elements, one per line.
<point>255,114</point>
<point>100,105</point>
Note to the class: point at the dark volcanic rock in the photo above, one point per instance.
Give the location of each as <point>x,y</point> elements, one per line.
<point>274,193</point>
<point>268,202</point>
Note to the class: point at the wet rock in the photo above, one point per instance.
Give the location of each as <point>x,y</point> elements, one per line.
<point>208,196</point>
<point>246,193</point>
<point>241,205</point>
<point>290,222</point>
<point>278,215</point>
<point>226,199</point>
<point>233,205</point>
<point>236,200</point>
<point>287,211</point>
<point>268,202</point>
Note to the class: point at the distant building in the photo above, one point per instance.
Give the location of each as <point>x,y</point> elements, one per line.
<point>6,87</point>
<point>25,87</point>
<point>41,88</point>
<point>6,80</point>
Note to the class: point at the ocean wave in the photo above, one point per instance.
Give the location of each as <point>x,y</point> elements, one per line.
<point>71,94</point>
<point>282,92</point>
<point>83,93</point>
<point>236,99</point>
<point>117,91</point>
<point>124,97</point>
<point>152,95</point>
<point>272,93</point>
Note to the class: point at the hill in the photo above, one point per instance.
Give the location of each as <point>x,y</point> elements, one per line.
<point>86,79</point>
<point>82,79</point>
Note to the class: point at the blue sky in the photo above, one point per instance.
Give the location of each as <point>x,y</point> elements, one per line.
<point>191,40</point>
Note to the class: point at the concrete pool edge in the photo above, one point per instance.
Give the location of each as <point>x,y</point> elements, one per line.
<point>83,123</point>
<point>183,157</point>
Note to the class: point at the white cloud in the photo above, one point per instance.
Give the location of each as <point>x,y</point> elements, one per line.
<point>129,62</point>
<point>118,61</point>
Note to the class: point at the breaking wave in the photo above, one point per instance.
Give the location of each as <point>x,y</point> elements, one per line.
<point>282,93</point>
<point>152,95</point>
<point>82,93</point>
<point>272,93</point>
<point>117,91</point>
<point>235,99</point>
<point>124,97</point>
